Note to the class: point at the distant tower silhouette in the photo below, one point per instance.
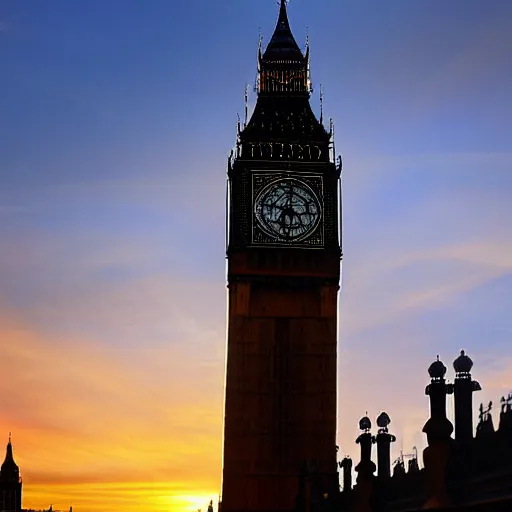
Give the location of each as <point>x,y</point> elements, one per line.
<point>283,280</point>
<point>463,397</point>
<point>10,483</point>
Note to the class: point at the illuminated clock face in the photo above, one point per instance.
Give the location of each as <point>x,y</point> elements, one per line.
<point>288,210</point>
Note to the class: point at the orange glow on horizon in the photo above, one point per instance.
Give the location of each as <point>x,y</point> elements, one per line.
<point>90,432</point>
<point>109,497</point>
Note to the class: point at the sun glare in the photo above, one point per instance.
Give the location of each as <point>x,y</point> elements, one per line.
<point>188,503</point>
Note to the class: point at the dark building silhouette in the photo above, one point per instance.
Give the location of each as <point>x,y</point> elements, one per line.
<point>470,471</point>
<point>10,483</point>
<point>283,278</point>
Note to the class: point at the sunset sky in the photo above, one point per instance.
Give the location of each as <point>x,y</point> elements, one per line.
<point>116,120</point>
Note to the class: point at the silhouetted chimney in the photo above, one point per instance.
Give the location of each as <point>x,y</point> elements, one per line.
<point>346,465</point>
<point>366,467</point>
<point>463,397</point>
<point>485,426</point>
<point>506,413</point>
<point>438,429</point>
<point>363,491</point>
<point>384,440</point>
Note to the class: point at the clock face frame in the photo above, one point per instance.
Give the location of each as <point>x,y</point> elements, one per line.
<point>287,209</point>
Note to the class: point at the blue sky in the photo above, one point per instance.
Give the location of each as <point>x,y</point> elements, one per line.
<point>116,122</point>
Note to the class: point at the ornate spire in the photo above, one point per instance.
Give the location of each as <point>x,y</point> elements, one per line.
<point>282,112</point>
<point>9,469</point>
<point>282,45</point>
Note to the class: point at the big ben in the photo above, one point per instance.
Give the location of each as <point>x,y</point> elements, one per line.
<point>283,279</point>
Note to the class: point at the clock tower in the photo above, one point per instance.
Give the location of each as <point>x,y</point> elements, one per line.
<point>283,279</point>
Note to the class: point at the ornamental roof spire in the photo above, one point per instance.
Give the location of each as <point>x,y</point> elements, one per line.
<point>9,469</point>
<point>282,45</point>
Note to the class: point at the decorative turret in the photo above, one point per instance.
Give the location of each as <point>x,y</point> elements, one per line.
<point>462,365</point>
<point>438,429</point>
<point>365,469</point>
<point>283,126</point>
<point>384,440</point>
<point>283,69</point>
<point>463,395</point>
<point>366,465</point>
